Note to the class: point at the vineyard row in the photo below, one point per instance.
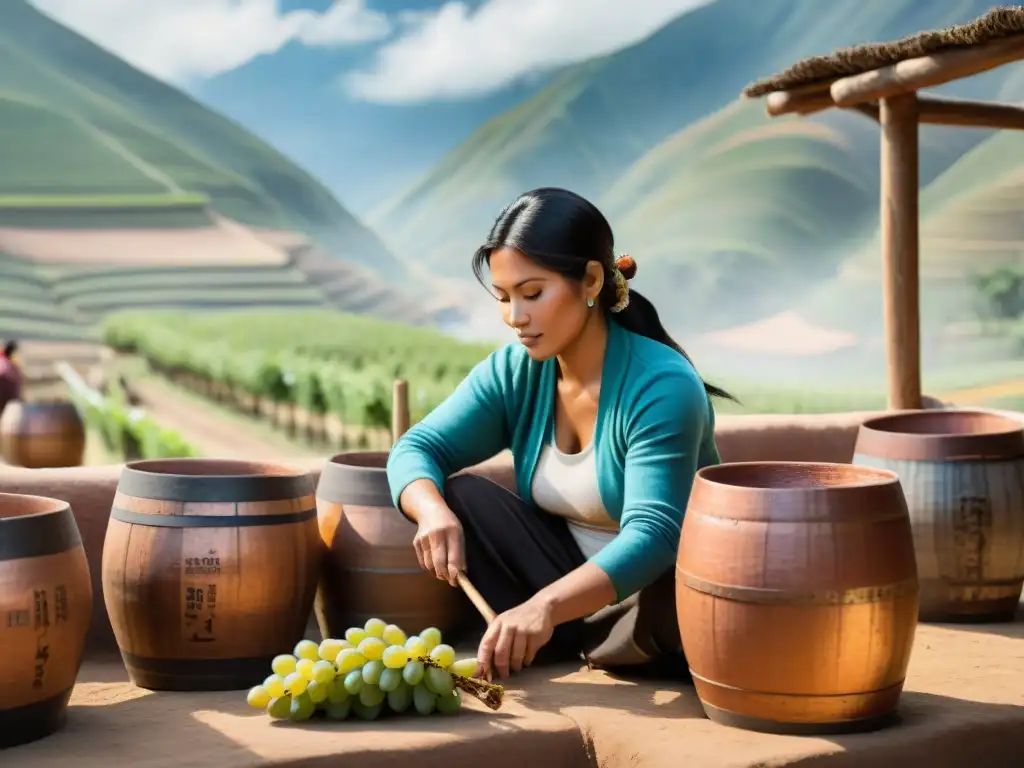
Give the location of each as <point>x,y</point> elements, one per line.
<point>324,375</point>
<point>127,432</point>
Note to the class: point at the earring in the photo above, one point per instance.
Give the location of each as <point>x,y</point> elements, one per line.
<point>590,302</point>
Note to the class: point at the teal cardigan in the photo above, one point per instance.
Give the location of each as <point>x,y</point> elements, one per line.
<point>655,429</point>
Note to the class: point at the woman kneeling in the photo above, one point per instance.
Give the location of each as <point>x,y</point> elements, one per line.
<point>607,421</point>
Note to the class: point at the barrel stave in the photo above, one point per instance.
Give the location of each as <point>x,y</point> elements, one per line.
<point>38,435</point>
<point>370,567</point>
<point>371,571</point>
<point>968,527</point>
<point>45,612</point>
<point>202,593</point>
<point>205,602</point>
<point>798,609</point>
<point>812,651</point>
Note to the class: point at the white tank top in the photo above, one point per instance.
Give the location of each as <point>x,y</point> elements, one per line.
<point>565,484</point>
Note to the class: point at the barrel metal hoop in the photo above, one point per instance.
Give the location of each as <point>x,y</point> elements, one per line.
<point>353,485</point>
<point>210,521</point>
<point>854,596</point>
<point>213,489</point>
<point>42,535</point>
<point>798,694</point>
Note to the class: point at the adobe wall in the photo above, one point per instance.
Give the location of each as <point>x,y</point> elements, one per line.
<point>90,490</point>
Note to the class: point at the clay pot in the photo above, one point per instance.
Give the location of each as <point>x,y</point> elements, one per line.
<point>37,435</point>
<point>370,568</point>
<point>209,570</point>
<point>796,590</point>
<point>45,612</point>
<point>963,476</point>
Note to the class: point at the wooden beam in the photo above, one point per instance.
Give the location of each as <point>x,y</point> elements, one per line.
<point>926,71</point>
<point>900,246</point>
<point>936,110</point>
<point>868,110</point>
<point>805,100</point>
<point>399,409</point>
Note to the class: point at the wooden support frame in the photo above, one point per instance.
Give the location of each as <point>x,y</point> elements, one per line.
<point>799,101</point>
<point>962,113</point>
<point>933,110</point>
<point>899,227</point>
<point>926,71</point>
<point>399,409</point>
<point>911,75</point>
<point>889,95</point>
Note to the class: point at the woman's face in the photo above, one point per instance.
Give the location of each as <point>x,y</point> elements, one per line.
<point>546,310</point>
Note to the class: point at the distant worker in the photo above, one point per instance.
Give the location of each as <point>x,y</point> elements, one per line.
<point>10,375</point>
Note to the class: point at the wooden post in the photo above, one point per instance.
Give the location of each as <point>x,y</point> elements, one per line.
<point>399,410</point>
<point>899,222</point>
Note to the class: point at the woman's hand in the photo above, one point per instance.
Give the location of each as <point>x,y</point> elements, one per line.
<point>439,543</point>
<point>512,640</point>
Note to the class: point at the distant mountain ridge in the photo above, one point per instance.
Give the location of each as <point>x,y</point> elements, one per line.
<point>159,127</point>
<point>117,190</point>
<point>731,215</point>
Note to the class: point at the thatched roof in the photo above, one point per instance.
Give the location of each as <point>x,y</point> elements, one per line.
<point>998,23</point>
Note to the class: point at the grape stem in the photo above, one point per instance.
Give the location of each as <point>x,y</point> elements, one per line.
<point>489,693</point>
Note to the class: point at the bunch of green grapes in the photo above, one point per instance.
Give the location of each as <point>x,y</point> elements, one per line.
<point>373,667</point>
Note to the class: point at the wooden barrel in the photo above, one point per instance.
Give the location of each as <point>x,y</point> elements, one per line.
<point>37,435</point>
<point>45,612</point>
<point>963,476</point>
<point>209,570</point>
<point>370,567</point>
<point>796,590</point>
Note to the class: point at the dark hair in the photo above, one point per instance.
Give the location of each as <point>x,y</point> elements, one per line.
<point>10,348</point>
<point>562,231</point>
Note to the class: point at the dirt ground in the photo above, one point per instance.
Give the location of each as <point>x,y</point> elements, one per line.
<point>212,432</point>
<point>961,707</point>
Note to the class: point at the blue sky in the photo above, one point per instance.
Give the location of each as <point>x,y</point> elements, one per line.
<point>367,95</point>
<point>403,51</point>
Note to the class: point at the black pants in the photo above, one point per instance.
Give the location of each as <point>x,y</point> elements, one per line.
<point>513,550</point>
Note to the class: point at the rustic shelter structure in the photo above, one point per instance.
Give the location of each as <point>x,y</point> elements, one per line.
<point>883,81</point>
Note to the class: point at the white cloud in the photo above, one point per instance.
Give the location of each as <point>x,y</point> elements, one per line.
<point>455,52</point>
<point>182,39</point>
<point>346,22</point>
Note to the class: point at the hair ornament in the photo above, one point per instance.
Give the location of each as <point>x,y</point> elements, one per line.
<point>625,269</point>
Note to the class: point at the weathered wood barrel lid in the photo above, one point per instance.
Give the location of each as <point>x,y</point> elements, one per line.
<point>212,481</point>
<point>941,435</point>
<point>358,478</point>
<point>768,490</point>
<point>35,526</point>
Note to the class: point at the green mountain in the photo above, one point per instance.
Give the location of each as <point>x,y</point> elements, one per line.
<point>77,120</point>
<point>738,208</point>
<point>972,221</point>
<point>118,191</point>
<point>730,214</point>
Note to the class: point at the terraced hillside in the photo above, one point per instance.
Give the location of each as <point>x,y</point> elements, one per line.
<point>736,205</point>
<point>58,284</point>
<point>28,309</point>
<point>118,191</point>
<point>105,109</point>
<point>729,214</point>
